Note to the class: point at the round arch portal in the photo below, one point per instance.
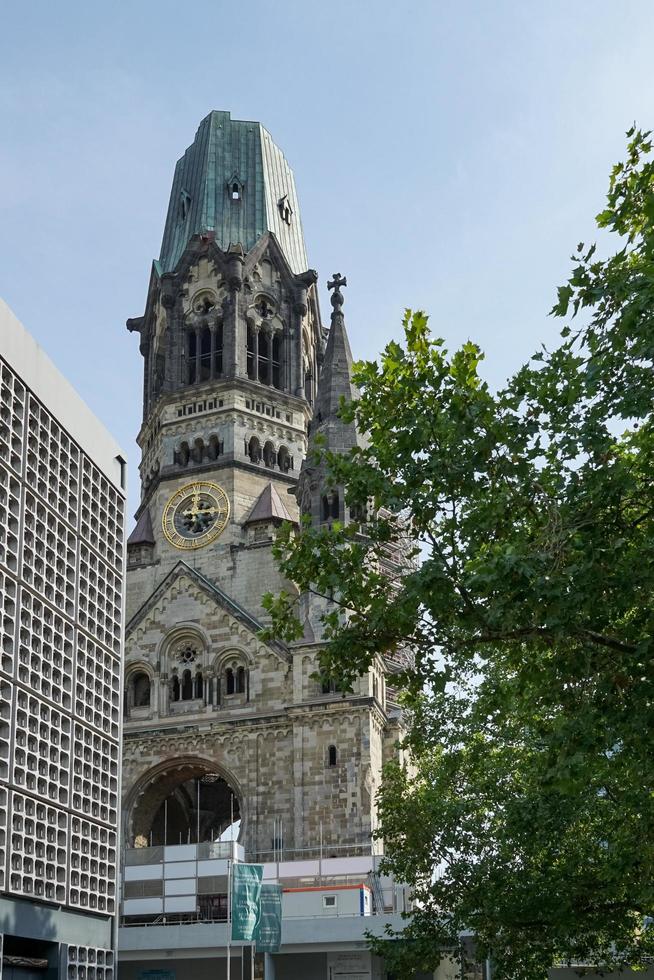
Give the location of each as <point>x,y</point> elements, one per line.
<point>183,801</point>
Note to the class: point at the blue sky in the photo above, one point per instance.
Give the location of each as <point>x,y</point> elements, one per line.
<point>448,156</point>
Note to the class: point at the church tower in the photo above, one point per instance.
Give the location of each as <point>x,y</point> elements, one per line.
<point>219,726</point>
<point>231,343</point>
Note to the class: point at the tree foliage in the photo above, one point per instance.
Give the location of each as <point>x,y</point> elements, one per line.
<point>529,815</point>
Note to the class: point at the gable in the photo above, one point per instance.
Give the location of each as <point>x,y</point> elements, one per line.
<point>185,597</point>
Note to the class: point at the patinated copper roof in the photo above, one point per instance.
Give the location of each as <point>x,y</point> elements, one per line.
<point>232,156</point>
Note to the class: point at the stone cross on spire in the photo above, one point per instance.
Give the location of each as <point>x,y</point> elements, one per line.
<point>336,282</point>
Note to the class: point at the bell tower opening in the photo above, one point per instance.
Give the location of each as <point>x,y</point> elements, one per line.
<point>187,803</point>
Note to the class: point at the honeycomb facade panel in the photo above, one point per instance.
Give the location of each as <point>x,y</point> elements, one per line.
<point>89,963</point>
<point>97,687</point>
<point>103,514</point>
<point>6,701</point>
<point>39,849</point>
<point>4,812</point>
<point>8,614</point>
<point>49,555</point>
<point>9,520</point>
<point>61,594</point>
<point>12,418</point>
<point>95,775</point>
<point>42,749</point>
<point>93,866</point>
<point>100,594</point>
<point>45,650</point>
<point>52,463</point>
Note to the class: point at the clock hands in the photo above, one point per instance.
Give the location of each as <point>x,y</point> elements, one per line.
<point>198,515</point>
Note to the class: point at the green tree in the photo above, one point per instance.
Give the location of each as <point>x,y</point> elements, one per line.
<point>528,817</point>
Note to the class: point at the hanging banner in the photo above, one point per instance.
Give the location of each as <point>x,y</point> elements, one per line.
<point>268,934</point>
<point>246,900</point>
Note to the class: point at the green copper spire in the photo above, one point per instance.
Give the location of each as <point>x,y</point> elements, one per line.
<point>235,182</point>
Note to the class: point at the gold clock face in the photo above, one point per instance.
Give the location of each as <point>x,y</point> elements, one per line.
<point>195,515</point>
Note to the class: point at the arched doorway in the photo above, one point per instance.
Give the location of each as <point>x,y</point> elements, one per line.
<point>183,802</point>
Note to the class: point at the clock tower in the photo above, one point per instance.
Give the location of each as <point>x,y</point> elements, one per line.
<point>231,343</point>
<point>220,727</point>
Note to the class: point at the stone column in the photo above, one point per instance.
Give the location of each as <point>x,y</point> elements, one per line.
<point>198,349</point>
<point>267,371</point>
<point>255,352</point>
<point>298,785</point>
<point>214,329</point>
<point>229,339</point>
<point>282,362</point>
<point>300,310</point>
<point>175,335</point>
<point>128,701</point>
<point>234,337</point>
<point>147,387</point>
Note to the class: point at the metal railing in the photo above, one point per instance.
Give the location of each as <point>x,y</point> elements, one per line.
<point>143,855</point>
<point>314,853</point>
<point>135,856</point>
<point>190,919</point>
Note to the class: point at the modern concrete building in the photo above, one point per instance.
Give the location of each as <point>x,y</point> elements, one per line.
<point>227,735</point>
<point>62,505</point>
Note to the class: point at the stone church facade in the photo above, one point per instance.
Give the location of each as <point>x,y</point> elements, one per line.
<point>239,376</point>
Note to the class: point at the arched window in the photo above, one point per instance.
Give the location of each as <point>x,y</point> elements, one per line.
<point>235,188</point>
<point>184,205</point>
<point>251,358</point>
<point>331,756</point>
<point>174,688</point>
<point>254,450</point>
<point>329,686</point>
<point>184,454</point>
<point>191,357</point>
<point>141,683</point>
<point>240,680</point>
<point>269,455</point>
<point>198,451</point>
<point>187,686</point>
<point>284,460</point>
<point>215,448</point>
<point>330,507</point>
<point>199,690</point>
<point>308,386</point>
<point>229,681</point>
<point>277,361</point>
